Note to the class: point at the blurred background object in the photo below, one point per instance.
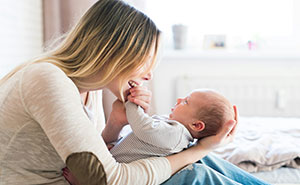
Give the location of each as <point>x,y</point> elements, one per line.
<point>60,15</point>
<point>179,36</point>
<point>27,27</point>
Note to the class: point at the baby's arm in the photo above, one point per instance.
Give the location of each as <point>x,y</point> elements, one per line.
<point>141,96</point>
<point>152,131</point>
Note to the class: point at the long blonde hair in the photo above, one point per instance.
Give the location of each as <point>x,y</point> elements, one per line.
<point>112,38</point>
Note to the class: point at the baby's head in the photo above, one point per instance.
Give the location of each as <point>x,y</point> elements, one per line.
<point>203,112</point>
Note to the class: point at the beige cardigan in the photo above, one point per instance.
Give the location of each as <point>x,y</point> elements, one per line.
<point>42,122</point>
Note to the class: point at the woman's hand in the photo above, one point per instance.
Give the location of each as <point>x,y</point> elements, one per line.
<point>141,96</point>
<point>116,121</point>
<point>70,177</point>
<point>224,137</point>
<point>118,114</point>
<point>205,145</point>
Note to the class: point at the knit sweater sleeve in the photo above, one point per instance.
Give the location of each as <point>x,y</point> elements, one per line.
<point>53,100</point>
<point>156,132</point>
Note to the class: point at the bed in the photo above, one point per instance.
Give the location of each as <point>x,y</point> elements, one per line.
<point>268,147</point>
<point>267,143</point>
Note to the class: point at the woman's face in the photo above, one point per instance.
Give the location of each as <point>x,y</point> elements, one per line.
<point>136,79</point>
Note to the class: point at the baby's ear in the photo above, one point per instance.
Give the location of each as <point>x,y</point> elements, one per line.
<point>198,125</point>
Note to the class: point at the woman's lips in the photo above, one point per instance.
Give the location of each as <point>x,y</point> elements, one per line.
<point>132,84</point>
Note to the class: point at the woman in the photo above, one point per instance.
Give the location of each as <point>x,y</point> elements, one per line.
<point>44,123</point>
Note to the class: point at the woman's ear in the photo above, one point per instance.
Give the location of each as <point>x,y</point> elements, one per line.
<point>198,125</point>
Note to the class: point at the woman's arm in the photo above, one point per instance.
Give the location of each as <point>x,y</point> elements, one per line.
<point>193,154</point>
<point>53,101</point>
<point>115,114</point>
<point>116,121</point>
<point>205,145</point>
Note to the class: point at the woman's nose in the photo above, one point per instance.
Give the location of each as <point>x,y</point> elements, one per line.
<point>148,76</point>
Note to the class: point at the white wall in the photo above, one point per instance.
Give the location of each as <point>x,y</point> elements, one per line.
<point>21,32</point>
<point>180,63</point>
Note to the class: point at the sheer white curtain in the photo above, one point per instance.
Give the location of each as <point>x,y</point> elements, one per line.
<point>61,15</point>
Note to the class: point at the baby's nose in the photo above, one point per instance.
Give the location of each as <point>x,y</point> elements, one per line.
<point>179,100</point>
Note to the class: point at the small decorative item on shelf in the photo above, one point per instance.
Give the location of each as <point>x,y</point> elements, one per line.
<point>179,36</point>
<point>251,45</point>
<point>214,41</point>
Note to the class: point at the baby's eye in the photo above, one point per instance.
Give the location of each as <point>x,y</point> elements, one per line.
<point>185,101</point>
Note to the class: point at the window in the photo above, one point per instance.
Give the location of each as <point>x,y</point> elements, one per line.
<point>270,24</point>
<point>21,32</point>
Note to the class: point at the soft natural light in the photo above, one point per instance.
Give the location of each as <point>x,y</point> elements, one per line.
<point>239,20</point>
<point>21,32</point>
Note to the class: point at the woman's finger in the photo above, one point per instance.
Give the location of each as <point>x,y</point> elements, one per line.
<point>236,113</point>
<point>65,169</point>
<point>236,117</point>
<point>227,129</point>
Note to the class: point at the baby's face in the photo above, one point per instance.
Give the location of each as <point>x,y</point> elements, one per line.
<point>185,108</point>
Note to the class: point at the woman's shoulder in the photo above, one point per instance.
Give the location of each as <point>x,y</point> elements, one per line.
<point>43,69</point>
<point>44,72</point>
<point>44,76</point>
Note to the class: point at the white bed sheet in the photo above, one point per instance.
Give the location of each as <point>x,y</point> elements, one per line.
<point>283,134</point>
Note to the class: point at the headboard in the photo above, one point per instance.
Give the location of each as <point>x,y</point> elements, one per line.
<point>254,95</point>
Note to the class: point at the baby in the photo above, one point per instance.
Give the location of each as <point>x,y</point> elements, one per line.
<point>202,113</point>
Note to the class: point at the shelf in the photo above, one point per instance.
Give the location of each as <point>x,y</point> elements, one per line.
<point>225,54</point>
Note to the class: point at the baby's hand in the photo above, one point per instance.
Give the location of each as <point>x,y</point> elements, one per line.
<point>141,96</point>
